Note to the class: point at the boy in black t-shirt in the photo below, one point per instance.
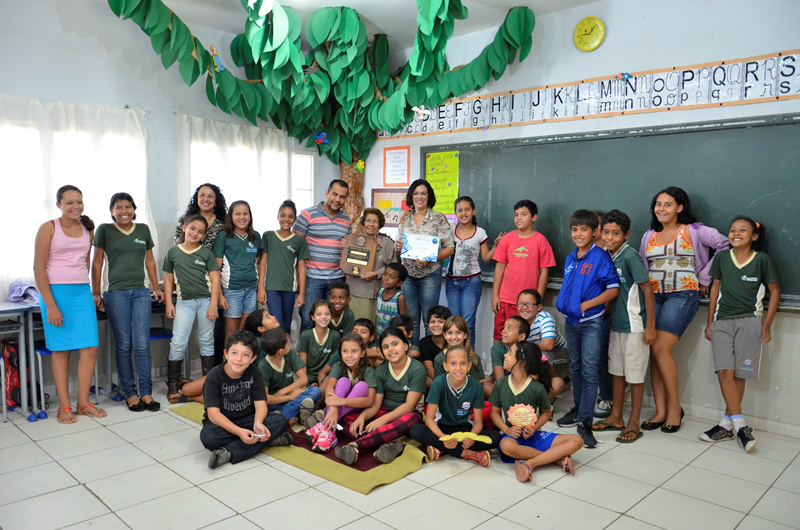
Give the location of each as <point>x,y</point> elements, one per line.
<point>236,425</point>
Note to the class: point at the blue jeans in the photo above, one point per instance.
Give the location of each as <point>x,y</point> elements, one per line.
<point>421,294</point>
<point>280,304</point>
<point>290,409</point>
<point>605,380</point>
<point>129,314</point>
<point>463,297</point>
<point>584,344</point>
<point>315,290</point>
<point>185,313</point>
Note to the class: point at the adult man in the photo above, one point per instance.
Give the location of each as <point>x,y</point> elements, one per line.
<point>323,226</point>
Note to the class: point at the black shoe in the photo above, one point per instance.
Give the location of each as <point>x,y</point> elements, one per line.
<point>717,433</point>
<point>388,452</point>
<point>218,457</point>
<point>570,419</point>
<point>137,407</point>
<point>745,437</point>
<point>671,429</point>
<point>281,441</point>
<point>153,406</point>
<point>585,432</point>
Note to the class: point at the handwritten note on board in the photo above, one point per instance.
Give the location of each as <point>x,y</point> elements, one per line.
<point>441,171</point>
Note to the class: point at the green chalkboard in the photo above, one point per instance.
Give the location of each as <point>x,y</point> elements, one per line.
<point>749,167</point>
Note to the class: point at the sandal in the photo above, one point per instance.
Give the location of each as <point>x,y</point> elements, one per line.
<point>177,397</point>
<point>433,453</point>
<point>481,457</point>
<point>70,418</point>
<point>566,465</point>
<point>347,454</point>
<point>523,470</point>
<point>92,410</point>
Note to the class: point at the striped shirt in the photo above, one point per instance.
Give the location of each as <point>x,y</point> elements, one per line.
<point>544,327</point>
<point>323,234</point>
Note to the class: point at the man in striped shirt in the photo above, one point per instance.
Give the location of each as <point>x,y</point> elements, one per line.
<point>323,226</point>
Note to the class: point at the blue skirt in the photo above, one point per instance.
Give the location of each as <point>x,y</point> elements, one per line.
<point>79,329</point>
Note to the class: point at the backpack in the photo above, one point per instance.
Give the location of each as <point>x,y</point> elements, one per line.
<point>11,362</point>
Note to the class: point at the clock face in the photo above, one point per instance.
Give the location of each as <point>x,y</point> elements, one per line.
<point>589,34</point>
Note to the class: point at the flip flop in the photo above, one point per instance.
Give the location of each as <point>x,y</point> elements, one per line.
<point>523,471</point>
<point>604,425</point>
<point>622,440</point>
<point>566,465</point>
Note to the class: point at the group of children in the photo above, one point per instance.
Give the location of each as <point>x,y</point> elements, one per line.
<point>341,381</point>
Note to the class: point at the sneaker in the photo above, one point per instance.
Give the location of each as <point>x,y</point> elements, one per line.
<point>326,440</point>
<point>282,440</point>
<point>315,418</point>
<point>585,432</point>
<point>746,440</point>
<point>603,408</point>
<point>388,452</point>
<point>218,457</point>
<point>570,419</point>
<point>306,410</point>
<point>313,433</point>
<point>717,433</point>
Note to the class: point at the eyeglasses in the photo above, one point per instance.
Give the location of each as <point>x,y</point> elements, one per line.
<point>526,304</point>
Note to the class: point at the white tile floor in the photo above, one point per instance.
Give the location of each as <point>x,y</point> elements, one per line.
<point>148,471</point>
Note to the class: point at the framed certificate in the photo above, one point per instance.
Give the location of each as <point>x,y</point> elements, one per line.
<point>421,247</point>
<point>359,255</point>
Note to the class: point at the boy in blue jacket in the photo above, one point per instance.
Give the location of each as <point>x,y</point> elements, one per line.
<point>590,281</point>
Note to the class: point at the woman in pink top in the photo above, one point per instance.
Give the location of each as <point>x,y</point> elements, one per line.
<point>61,269</point>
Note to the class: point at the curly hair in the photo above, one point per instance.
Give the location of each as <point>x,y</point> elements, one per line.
<point>220,207</point>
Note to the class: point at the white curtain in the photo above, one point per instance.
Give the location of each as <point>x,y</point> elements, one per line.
<point>44,145</point>
<point>247,163</point>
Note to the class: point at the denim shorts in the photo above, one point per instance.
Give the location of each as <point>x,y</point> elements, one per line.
<point>675,311</point>
<point>240,302</point>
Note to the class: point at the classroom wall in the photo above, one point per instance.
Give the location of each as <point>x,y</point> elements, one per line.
<point>646,35</point>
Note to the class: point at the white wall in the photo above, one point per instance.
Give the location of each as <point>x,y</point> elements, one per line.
<point>645,35</point>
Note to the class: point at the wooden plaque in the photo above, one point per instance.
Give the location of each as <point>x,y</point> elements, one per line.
<point>358,256</point>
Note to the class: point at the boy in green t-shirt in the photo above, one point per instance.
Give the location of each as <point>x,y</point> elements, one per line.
<point>284,374</point>
<point>342,317</point>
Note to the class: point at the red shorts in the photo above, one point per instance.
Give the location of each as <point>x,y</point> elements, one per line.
<point>505,311</point>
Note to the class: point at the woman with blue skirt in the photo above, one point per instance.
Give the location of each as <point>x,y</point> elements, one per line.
<point>61,269</point>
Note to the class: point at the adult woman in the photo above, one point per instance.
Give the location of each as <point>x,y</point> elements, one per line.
<point>209,202</point>
<point>676,252</point>
<point>364,288</point>
<point>423,285</point>
<point>129,248</point>
<point>61,269</point>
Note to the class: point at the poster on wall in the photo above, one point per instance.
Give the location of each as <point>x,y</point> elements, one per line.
<point>397,166</point>
<point>441,171</point>
<point>391,202</point>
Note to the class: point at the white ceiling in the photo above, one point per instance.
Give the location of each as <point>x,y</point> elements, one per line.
<point>395,18</point>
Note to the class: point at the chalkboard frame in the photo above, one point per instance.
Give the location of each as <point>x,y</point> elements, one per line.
<point>789,301</point>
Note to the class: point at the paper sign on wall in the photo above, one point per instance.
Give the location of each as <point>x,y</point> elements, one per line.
<point>441,171</point>
<point>397,166</point>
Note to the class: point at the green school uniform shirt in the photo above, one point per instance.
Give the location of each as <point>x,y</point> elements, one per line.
<point>476,372</point>
<point>318,352</point>
<point>191,271</point>
<point>125,252</point>
<point>532,393</point>
<point>368,376</point>
<point>281,374</point>
<point>345,324</point>
<point>498,352</point>
<point>628,313</point>
<point>395,387</point>
<point>742,286</point>
<point>454,411</point>
<point>238,253</point>
<point>282,257</point>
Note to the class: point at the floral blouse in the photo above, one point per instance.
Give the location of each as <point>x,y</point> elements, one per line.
<point>672,266</point>
<point>434,224</point>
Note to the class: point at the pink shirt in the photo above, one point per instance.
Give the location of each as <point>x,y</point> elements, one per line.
<point>66,262</point>
<point>524,258</point>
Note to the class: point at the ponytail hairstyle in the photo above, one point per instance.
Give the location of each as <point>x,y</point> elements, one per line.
<point>86,221</point>
<point>357,374</point>
<point>230,228</point>
<point>530,355</point>
<point>758,229</point>
<point>461,324</point>
<point>121,196</point>
<point>288,204</point>
<point>467,199</point>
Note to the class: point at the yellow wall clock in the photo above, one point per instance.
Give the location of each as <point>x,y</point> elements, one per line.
<point>589,34</point>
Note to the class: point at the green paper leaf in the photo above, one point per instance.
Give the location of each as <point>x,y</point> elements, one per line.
<point>212,97</point>
<point>157,19</point>
<point>226,84</point>
<point>281,55</point>
<point>279,30</point>
<point>189,69</point>
<point>123,8</point>
<point>168,57</point>
<point>525,48</point>
<point>295,24</point>
<point>221,101</point>
<point>256,38</point>
<point>321,85</point>
<point>513,27</point>
<point>179,34</point>
<point>319,27</point>
<point>159,41</point>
